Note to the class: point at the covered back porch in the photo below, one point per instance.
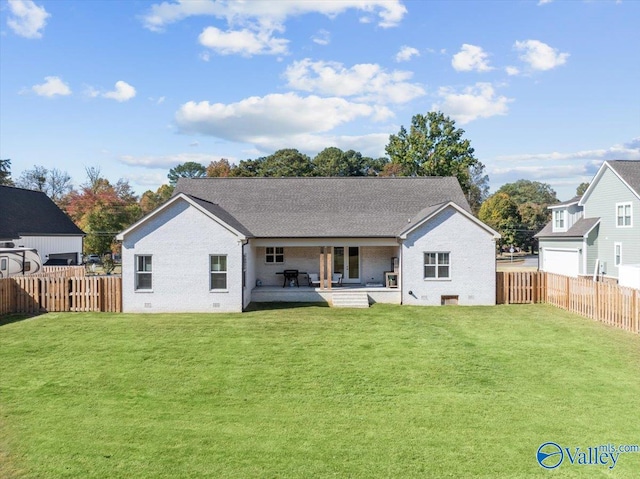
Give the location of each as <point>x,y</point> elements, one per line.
<point>325,268</point>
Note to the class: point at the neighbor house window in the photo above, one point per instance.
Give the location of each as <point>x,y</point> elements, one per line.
<point>143,272</point>
<point>623,214</point>
<point>274,254</point>
<point>617,253</point>
<point>558,219</point>
<point>218,271</point>
<point>437,266</point>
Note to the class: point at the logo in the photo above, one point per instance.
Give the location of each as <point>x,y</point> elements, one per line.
<point>550,455</point>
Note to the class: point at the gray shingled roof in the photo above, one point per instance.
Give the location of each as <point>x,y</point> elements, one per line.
<point>27,212</point>
<point>323,207</point>
<point>578,230</point>
<point>629,170</point>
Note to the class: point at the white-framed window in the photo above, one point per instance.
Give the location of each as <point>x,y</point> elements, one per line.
<point>617,254</point>
<point>437,265</point>
<point>624,215</point>
<point>558,220</point>
<point>274,254</point>
<point>143,272</point>
<point>218,271</point>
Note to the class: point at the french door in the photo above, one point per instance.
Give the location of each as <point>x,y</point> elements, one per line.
<point>346,260</point>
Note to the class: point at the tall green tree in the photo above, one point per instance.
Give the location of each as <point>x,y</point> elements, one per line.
<point>478,187</point>
<point>333,161</point>
<point>5,172</point>
<point>248,168</point>
<point>501,213</point>
<point>433,146</point>
<point>150,200</point>
<point>190,169</point>
<point>582,187</point>
<point>54,183</point>
<point>286,162</point>
<point>527,191</point>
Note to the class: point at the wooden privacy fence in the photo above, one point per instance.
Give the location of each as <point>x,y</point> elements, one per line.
<point>29,294</point>
<point>605,302</point>
<point>520,287</point>
<point>62,271</point>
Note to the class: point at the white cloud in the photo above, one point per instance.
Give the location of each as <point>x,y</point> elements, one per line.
<point>123,92</point>
<point>512,71</point>
<point>52,86</point>
<point>471,58</point>
<point>168,161</point>
<point>26,18</point>
<point>322,37</point>
<point>406,53</point>
<point>389,12</point>
<point>365,81</point>
<point>259,120</point>
<point>563,171</point>
<point>479,101</point>
<point>625,151</point>
<point>244,42</point>
<point>540,56</point>
<point>544,2</point>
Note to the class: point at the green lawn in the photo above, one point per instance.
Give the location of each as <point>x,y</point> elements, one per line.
<point>391,391</point>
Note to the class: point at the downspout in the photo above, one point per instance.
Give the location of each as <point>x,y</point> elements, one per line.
<point>243,274</point>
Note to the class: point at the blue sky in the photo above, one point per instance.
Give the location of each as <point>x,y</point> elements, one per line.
<point>545,90</point>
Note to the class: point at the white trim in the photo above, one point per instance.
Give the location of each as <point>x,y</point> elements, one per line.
<point>453,205</point>
<point>615,254</point>
<point>180,196</point>
<point>136,271</point>
<point>597,177</point>
<point>623,205</point>
<point>563,205</point>
<point>226,274</point>
<point>436,265</point>
<point>565,220</point>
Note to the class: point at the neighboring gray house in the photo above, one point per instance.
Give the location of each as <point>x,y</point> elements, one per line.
<point>598,232</point>
<point>31,219</point>
<point>220,243</point>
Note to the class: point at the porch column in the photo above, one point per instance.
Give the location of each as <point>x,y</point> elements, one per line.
<point>329,267</point>
<point>322,259</point>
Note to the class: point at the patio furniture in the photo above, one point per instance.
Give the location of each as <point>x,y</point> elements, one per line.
<point>336,279</point>
<point>314,279</point>
<point>290,275</point>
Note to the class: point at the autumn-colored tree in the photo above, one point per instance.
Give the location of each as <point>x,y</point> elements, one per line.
<point>219,169</point>
<point>102,210</point>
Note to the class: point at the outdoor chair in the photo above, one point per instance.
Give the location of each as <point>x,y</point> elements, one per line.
<point>336,279</point>
<point>314,279</point>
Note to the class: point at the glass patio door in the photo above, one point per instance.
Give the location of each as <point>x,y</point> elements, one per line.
<point>346,260</point>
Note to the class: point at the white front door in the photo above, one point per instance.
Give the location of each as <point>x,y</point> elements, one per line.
<point>346,260</point>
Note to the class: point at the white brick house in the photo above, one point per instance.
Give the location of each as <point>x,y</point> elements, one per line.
<point>220,243</point>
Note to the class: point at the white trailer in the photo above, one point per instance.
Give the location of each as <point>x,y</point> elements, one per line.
<point>19,262</point>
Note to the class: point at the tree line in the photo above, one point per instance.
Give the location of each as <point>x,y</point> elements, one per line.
<point>432,146</point>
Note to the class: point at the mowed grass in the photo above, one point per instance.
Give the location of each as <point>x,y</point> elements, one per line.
<point>309,392</point>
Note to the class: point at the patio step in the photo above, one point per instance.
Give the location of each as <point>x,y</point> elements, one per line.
<point>350,299</point>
